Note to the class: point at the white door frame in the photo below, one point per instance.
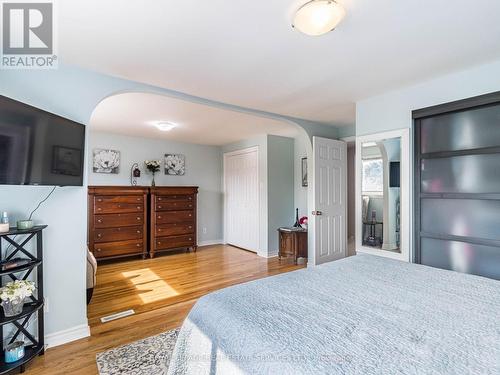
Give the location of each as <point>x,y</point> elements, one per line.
<point>405,203</point>
<point>224,188</point>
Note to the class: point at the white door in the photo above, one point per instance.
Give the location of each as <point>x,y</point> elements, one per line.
<point>330,212</point>
<point>241,195</point>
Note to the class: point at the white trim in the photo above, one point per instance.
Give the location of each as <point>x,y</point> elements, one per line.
<point>210,242</point>
<point>225,156</point>
<point>67,335</point>
<point>350,139</point>
<point>405,224</point>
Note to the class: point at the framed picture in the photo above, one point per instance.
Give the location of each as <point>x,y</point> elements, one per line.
<point>66,161</point>
<point>175,164</point>
<point>304,172</point>
<point>106,161</point>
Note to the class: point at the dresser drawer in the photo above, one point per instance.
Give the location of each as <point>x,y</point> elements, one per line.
<point>162,243</point>
<point>174,217</point>
<point>118,234</point>
<point>118,220</point>
<point>169,198</point>
<point>118,207</point>
<point>174,205</point>
<point>118,248</point>
<point>174,229</point>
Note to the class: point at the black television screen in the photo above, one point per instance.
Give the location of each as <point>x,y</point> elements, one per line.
<point>38,147</point>
<point>394,175</point>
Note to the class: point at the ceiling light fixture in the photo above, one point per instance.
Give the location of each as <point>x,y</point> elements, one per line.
<point>318,17</point>
<point>165,126</point>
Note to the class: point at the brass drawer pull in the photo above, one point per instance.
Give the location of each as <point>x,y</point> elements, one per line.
<point>159,198</point>
<point>159,216</point>
<point>99,221</point>
<point>159,207</point>
<point>99,235</point>
<point>138,245</point>
<point>159,229</point>
<point>98,250</point>
<point>190,227</point>
<point>139,231</point>
<point>138,218</point>
<point>190,239</point>
<point>190,215</point>
<point>138,207</point>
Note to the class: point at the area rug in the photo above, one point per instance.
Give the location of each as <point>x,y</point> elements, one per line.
<point>150,356</point>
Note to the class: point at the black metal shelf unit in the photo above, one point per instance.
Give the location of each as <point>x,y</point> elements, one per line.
<point>34,345</point>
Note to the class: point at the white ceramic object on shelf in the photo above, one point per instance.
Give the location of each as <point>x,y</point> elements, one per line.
<point>4,228</point>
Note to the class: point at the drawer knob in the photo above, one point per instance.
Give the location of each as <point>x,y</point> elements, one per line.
<point>98,250</point>
<point>175,224</point>
<point>159,206</point>
<point>138,199</point>
<point>190,215</point>
<point>119,206</point>
<point>190,227</point>
<point>159,199</point>
<point>138,245</point>
<point>99,221</point>
<point>138,218</point>
<point>138,207</point>
<point>99,200</point>
<point>98,208</point>
<point>159,242</point>
<point>99,235</point>
<point>190,205</point>
<point>190,198</point>
<point>159,229</point>
<point>190,239</point>
<point>138,231</point>
<point>159,216</point>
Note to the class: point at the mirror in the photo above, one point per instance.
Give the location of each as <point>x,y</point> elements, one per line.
<point>381,194</point>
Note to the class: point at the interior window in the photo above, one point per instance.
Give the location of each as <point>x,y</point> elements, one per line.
<point>373,177</point>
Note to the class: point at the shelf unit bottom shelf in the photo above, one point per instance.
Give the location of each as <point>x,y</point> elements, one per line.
<point>30,353</point>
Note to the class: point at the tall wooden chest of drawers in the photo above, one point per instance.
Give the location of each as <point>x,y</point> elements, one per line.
<point>173,218</point>
<point>118,219</point>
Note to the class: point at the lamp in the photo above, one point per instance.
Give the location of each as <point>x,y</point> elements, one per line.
<point>318,17</point>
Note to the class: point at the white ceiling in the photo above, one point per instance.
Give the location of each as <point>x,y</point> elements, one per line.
<point>245,52</point>
<point>135,114</point>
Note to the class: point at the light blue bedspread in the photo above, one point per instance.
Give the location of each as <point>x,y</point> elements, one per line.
<point>360,315</point>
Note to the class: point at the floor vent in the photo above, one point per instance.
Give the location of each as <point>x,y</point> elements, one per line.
<point>119,315</point>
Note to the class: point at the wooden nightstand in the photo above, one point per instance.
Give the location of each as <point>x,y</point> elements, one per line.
<point>292,242</point>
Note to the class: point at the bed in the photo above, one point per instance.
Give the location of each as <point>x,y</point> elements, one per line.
<point>360,315</point>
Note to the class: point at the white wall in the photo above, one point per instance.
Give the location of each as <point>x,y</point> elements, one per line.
<point>203,169</point>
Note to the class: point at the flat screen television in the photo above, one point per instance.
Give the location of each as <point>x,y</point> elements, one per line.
<point>38,147</point>
<point>394,175</point>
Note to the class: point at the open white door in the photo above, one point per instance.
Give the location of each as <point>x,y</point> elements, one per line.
<point>330,199</point>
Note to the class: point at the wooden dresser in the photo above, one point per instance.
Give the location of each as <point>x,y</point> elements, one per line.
<point>173,218</point>
<point>292,242</point>
<point>118,219</point>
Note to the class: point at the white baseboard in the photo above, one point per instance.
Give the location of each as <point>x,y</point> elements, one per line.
<point>210,242</point>
<point>67,335</point>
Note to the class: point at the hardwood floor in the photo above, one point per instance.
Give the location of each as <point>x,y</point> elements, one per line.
<point>161,291</point>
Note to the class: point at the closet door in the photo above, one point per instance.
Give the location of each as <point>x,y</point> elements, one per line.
<point>241,185</point>
<point>457,175</point>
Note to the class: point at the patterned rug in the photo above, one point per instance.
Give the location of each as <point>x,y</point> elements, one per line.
<point>150,356</point>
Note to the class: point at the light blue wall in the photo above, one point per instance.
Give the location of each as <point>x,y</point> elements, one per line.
<point>392,110</point>
<point>300,193</point>
<point>280,177</point>
<point>203,169</point>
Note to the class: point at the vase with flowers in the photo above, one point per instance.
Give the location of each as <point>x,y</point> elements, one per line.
<point>13,295</point>
<point>303,222</point>
<point>153,166</point>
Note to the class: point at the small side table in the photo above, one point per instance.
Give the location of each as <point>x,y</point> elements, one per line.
<point>292,242</point>
<point>372,239</point>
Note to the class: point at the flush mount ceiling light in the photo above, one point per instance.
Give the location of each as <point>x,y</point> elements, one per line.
<point>165,126</point>
<point>317,17</point>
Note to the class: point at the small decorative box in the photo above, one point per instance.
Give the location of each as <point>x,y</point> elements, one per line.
<point>14,352</point>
